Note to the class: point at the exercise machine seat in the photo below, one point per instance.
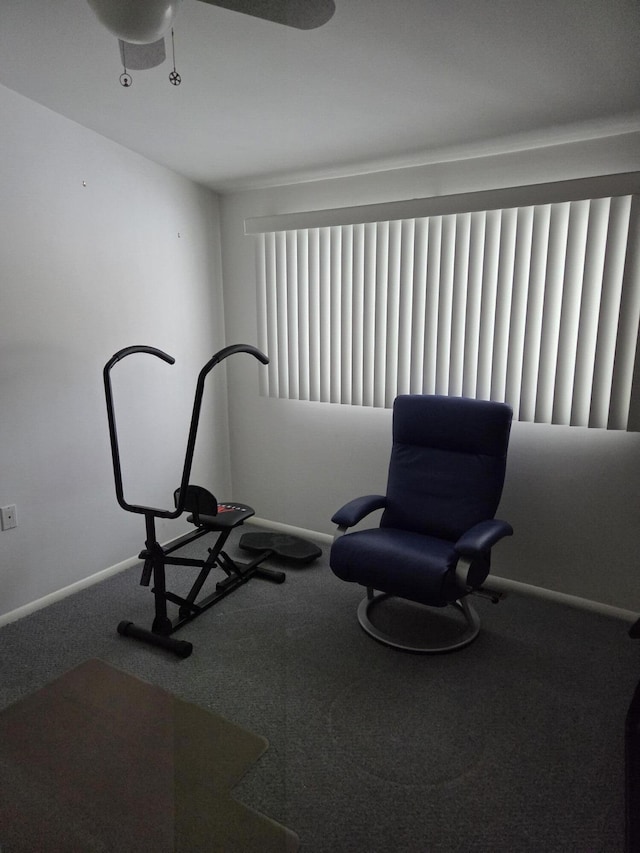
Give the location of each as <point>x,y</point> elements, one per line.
<point>207,512</point>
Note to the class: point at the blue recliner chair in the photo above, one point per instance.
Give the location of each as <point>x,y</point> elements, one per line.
<point>433,544</point>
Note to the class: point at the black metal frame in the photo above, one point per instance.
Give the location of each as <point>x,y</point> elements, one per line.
<point>155,557</point>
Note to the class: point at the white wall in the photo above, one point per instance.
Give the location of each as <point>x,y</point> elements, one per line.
<point>572,495</point>
<point>132,257</point>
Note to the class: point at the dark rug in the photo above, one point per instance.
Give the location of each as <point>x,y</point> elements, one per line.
<point>99,760</point>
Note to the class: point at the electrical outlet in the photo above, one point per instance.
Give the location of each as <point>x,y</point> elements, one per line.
<point>8,518</point>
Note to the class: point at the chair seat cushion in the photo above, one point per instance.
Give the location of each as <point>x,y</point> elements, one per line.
<point>400,562</point>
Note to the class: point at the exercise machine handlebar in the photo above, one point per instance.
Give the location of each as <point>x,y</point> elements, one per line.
<point>193,429</point>
<point>123,353</point>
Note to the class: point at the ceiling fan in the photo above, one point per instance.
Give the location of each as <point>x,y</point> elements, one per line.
<point>140,26</point>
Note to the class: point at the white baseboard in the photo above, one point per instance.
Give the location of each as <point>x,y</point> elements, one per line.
<point>498,583</point>
<point>59,594</point>
<point>507,585</point>
<point>324,538</point>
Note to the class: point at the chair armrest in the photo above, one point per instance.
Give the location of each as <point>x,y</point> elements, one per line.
<point>354,511</point>
<point>480,538</point>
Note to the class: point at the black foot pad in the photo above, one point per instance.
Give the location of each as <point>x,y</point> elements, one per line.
<point>288,547</point>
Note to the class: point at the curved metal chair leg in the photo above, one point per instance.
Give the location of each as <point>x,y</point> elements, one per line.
<point>467,636</point>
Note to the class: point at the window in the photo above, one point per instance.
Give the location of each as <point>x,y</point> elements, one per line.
<point>536,304</point>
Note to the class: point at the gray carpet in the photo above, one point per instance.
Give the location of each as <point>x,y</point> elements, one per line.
<point>512,744</point>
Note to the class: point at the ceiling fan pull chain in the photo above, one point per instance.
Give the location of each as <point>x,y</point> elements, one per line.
<point>126,79</point>
<point>174,78</point>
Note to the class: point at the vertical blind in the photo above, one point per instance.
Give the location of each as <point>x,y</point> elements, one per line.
<point>536,305</point>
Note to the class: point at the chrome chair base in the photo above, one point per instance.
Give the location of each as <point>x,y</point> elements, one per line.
<point>469,632</point>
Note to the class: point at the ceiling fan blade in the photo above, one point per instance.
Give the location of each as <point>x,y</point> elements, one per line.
<point>301,14</point>
<point>138,57</point>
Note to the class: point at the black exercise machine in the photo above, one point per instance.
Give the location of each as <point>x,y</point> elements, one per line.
<point>206,514</point>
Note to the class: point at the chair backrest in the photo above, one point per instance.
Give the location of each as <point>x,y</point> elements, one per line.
<point>448,463</point>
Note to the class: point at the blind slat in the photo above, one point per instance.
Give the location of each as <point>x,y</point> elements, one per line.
<point>358,317</point>
<point>335,315</point>
<point>381,330</point>
<point>589,310</point>
<point>406,300</point>
<point>476,270</point>
<point>609,312</point>
<point>261,306</point>
<point>369,326</point>
<point>393,313</point>
<point>419,328</point>
<point>292,342</point>
<point>459,304</point>
<point>324,252</point>
<point>628,324</point>
<point>445,304</point>
<point>432,306</point>
<point>569,323</point>
<point>503,226</point>
<point>346,316</point>
<point>488,283</point>
<point>521,268</point>
<point>314,314</point>
<point>304,347</point>
<point>533,325</point>
<point>551,311</point>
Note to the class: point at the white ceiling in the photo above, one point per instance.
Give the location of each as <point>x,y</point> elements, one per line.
<point>383,83</point>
